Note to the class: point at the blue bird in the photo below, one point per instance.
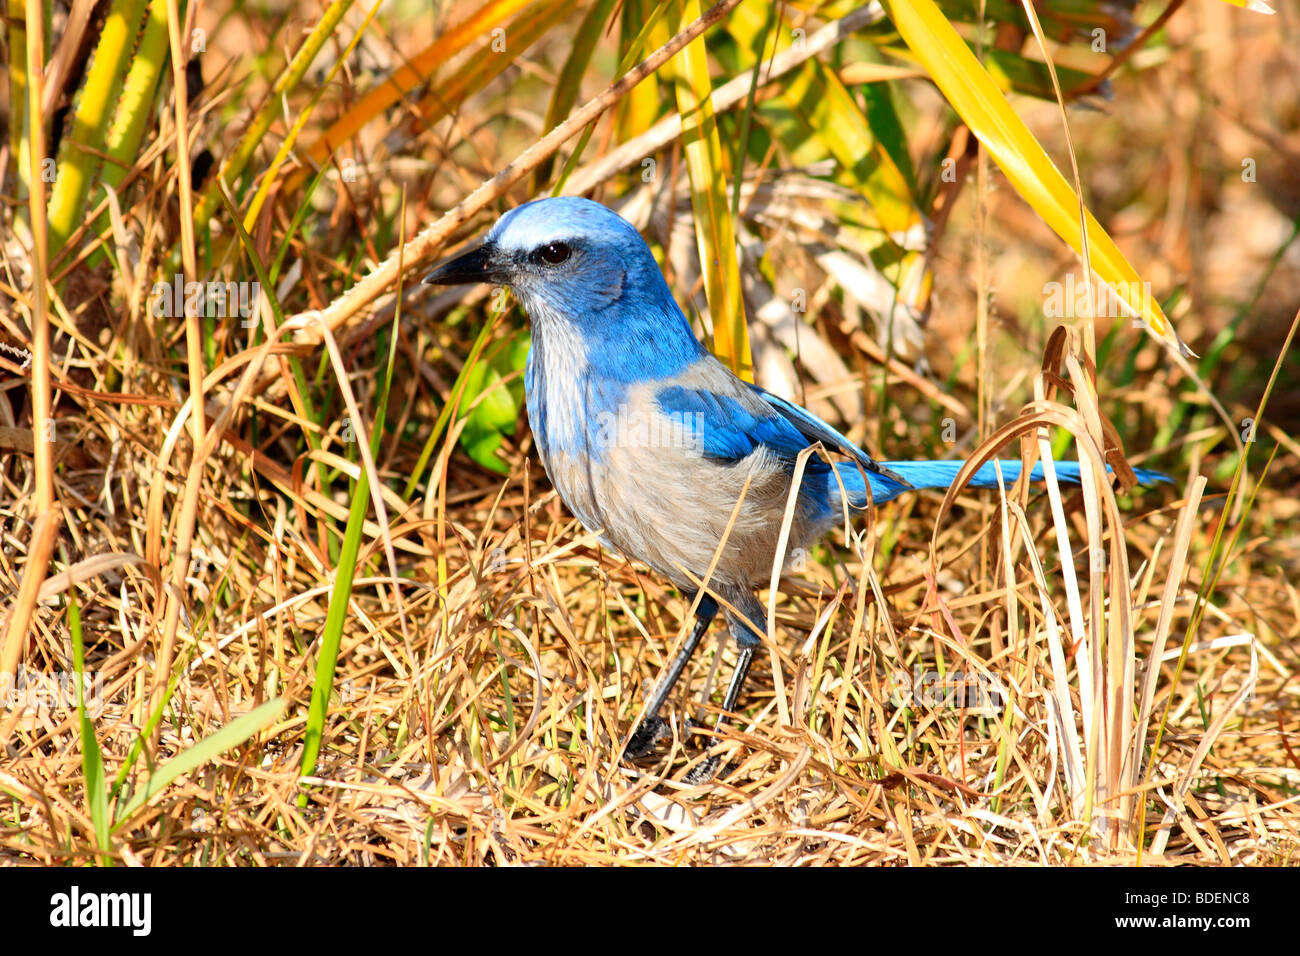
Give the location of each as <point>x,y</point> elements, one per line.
<point>650,440</point>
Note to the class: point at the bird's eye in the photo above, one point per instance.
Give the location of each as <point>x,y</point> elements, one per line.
<point>555,253</point>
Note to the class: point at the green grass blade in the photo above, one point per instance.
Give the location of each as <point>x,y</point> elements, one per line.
<point>92,761</point>
<point>146,733</point>
<point>341,593</point>
<point>16,43</point>
<point>332,634</point>
<point>206,750</point>
<point>451,408</point>
<point>653,26</point>
<point>234,165</point>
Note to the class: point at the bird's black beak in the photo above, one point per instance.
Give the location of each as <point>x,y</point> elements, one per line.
<point>481,264</point>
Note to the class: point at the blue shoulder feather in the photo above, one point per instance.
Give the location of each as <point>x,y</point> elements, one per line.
<point>816,430</point>
<point>724,428</point>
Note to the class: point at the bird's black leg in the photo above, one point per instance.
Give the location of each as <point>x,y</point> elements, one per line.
<point>652,727</point>
<point>738,676</point>
<point>747,641</point>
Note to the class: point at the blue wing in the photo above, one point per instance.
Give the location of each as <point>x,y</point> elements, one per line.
<point>730,421</point>
<point>729,427</point>
<point>815,430</point>
<point>726,427</point>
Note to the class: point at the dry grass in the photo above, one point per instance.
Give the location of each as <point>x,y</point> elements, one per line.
<point>483,695</point>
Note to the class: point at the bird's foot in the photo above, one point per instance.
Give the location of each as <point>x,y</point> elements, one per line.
<point>703,773</point>
<point>654,728</point>
<point>706,737</point>
<point>646,735</point>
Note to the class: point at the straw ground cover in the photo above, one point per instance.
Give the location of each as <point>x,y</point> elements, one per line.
<point>340,617</point>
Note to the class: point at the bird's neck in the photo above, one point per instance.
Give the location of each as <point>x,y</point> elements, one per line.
<point>642,337</point>
<point>556,384</point>
<point>571,387</point>
<point>583,366</point>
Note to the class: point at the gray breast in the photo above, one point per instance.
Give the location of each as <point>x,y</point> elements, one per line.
<point>670,508</point>
<point>629,474</point>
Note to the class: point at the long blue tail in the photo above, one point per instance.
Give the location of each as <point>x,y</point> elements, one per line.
<point>940,474</point>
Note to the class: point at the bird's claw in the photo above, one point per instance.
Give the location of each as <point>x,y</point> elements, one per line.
<point>703,773</point>
<point>646,735</point>
<point>653,728</point>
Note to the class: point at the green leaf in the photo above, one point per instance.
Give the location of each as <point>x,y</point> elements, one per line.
<point>494,404</point>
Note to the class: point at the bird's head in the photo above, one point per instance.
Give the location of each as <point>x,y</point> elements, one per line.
<point>575,263</point>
